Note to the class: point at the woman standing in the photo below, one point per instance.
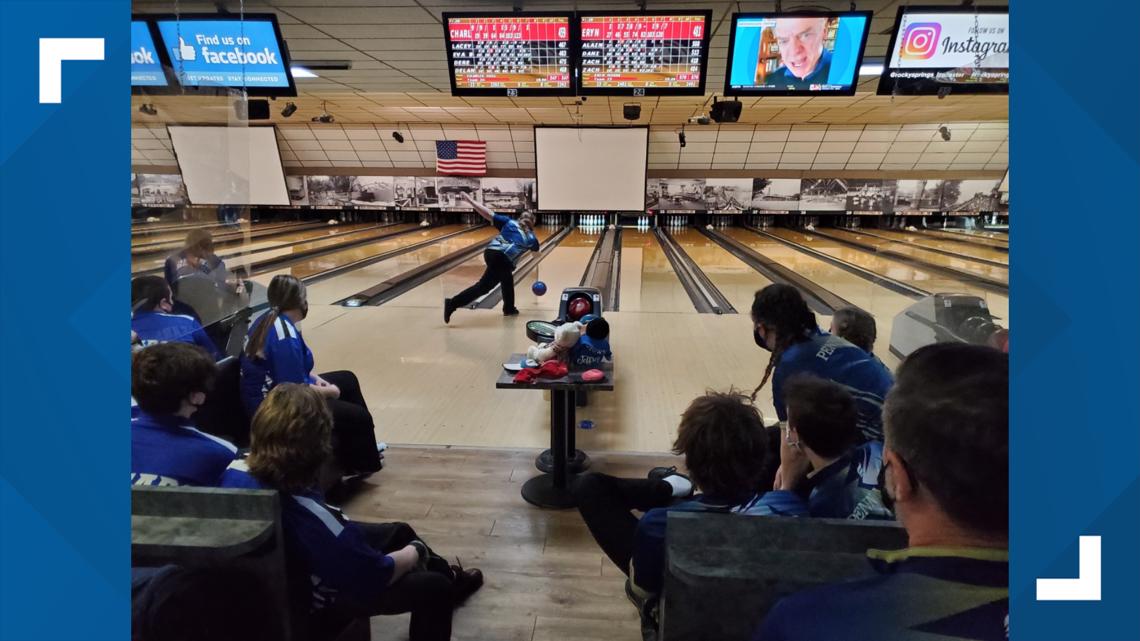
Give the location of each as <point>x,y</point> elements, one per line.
<point>514,238</point>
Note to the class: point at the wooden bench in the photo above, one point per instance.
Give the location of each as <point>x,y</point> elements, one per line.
<point>723,572</point>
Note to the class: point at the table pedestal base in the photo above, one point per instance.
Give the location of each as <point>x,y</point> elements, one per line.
<point>541,491</point>
<point>575,464</point>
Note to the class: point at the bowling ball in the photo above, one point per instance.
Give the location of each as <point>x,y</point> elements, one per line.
<point>586,425</point>
<point>587,318</point>
<point>539,288</point>
<point>578,308</point>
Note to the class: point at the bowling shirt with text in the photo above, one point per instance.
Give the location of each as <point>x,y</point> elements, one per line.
<point>512,240</point>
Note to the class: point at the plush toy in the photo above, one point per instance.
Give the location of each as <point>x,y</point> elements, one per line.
<point>565,337</point>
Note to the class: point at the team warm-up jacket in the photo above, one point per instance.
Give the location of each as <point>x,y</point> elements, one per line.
<point>157,327</point>
<point>287,360</point>
<point>169,450</point>
<point>512,240</point>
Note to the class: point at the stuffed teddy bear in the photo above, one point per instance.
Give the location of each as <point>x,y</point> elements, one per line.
<point>565,337</point>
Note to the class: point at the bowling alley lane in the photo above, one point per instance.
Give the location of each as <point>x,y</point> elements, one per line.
<point>563,267</point>
<point>350,282</point>
<point>881,302</point>
<point>455,280</point>
<point>962,248</point>
<point>991,272</point>
<point>218,231</point>
<point>973,236</point>
<point>933,282</point>
<point>737,281</point>
<point>647,280</point>
<point>260,249</point>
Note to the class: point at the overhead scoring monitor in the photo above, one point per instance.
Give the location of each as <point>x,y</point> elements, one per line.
<point>509,54</point>
<point>640,54</point>
<point>797,53</point>
<point>961,50</point>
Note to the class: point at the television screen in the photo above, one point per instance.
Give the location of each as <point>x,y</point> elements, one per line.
<point>798,53</point>
<point>939,49</point>
<point>146,69</point>
<point>509,54</point>
<point>643,54</point>
<point>208,53</point>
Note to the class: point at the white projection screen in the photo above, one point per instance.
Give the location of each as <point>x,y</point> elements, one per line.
<point>591,168</point>
<point>230,165</point>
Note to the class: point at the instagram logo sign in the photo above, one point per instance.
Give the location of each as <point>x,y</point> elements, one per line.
<point>920,41</point>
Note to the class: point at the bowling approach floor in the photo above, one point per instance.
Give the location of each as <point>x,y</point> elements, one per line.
<point>432,384</point>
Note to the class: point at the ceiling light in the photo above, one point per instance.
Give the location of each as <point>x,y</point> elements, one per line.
<point>871,69</point>
<point>289,109</point>
<point>301,72</point>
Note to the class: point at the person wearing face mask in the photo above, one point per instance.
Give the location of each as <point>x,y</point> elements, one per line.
<point>275,353</point>
<point>153,322</point>
<point>515,237</point>
<point>945,473</point>
<point>785,326</point>
<point>169,382</point>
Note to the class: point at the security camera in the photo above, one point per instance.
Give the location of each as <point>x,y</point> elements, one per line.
<point>148,109</point>
<point>399,137</point>
<point>945,132</point>
<point>289,109</point>
<point>700,120</point>
<point>943,92</point>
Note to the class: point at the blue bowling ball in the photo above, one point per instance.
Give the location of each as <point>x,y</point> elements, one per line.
<point>585,320</point>
<point>539,288</point>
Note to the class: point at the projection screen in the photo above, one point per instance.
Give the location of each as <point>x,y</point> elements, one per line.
<point>230,165</point>
<point>591,168</point>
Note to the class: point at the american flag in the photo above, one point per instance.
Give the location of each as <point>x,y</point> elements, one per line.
<point>461,157</point>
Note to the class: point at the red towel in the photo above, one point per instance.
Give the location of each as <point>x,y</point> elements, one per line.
<point>549,369</point>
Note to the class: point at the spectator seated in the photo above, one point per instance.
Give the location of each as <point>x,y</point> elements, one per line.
<point>723,572</point>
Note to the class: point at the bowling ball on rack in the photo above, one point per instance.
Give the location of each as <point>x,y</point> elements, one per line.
<point>539,288</point>
<point>578,308</point>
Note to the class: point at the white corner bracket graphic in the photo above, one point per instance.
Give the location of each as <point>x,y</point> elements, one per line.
<point>1086,587</point>
<point>53,51</point>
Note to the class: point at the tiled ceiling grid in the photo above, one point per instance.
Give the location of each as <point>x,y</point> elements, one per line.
<point>886,147</point>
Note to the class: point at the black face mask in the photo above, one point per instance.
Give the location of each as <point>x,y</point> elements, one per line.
<point>304,310</point>
<point>888,500</point>
<point>760,342</point>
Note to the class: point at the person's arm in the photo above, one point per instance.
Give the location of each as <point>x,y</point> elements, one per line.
<point>533,242</point>
<point>404,560</point>
<point>479,207</point>
<point>325,388</point>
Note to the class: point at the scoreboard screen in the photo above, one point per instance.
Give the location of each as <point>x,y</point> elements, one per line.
<point>510,54</point>
<point>644,54</point>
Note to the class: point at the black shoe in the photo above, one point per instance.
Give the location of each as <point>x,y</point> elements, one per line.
<point>511,312</point>
<point>466,583</point>
<point>448,310</point>
<point>660,473</point>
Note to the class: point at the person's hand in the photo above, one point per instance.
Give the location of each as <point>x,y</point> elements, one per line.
<point>466,196</point>
<point>778,482</point>
<point>326,389</point>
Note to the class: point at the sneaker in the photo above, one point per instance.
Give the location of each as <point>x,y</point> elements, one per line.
<point>511,312</point>
<point>467,582</point>
<point>381,447</point>
<point>661,473</point>
<point>448,309</point>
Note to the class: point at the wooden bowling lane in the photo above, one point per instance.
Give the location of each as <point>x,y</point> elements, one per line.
<point>253,250</point>
<point>344,285</point>
<point>992,272</point>
<point>736,280</point>
<point>647,282</point>
<point>931,281</point>
<point>879,301</point>
<point>972,236</point>
<point>563,267</point>
<point>220,232</point>
<point>964,248</point>
<point>455,280</point>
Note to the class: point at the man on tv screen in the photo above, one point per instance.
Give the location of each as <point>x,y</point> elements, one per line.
<point>804,61</point>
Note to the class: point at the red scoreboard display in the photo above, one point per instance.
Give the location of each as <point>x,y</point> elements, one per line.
<point>511,54</point>
<point>644,54</point>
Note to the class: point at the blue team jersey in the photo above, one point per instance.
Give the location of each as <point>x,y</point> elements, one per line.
<point>588,353</point>
<point>919,595</point>
<point>329,552</point>
<point>835,359</point>
<point>169,450</point>
<point>287,360</point>
<point>177,266</point>
<point>157,327</point>
<point>648,562</point>
<point>512,240</point>
<point>849,487</point>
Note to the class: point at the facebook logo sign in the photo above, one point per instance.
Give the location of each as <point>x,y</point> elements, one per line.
<point>224,53</point>
<point>146,71</point>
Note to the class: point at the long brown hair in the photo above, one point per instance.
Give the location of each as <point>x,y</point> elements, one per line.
<point>285,293</point>
<point>782,308</point>
<point>290,438</point>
